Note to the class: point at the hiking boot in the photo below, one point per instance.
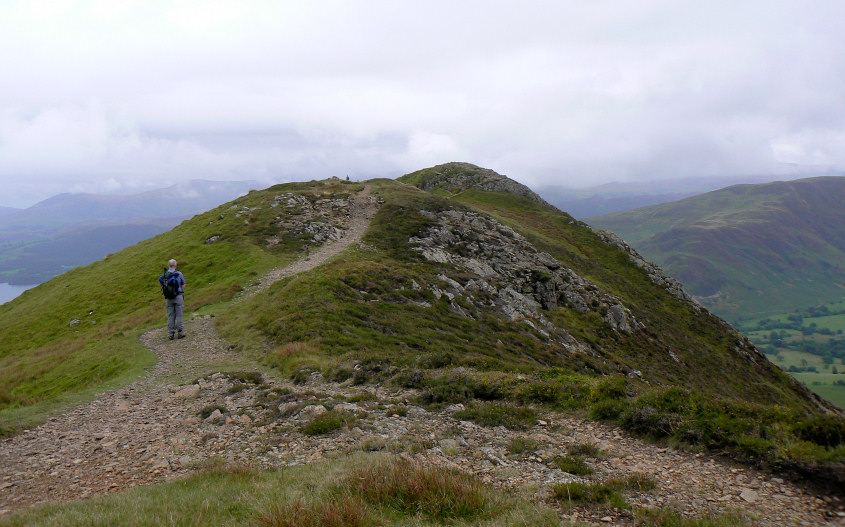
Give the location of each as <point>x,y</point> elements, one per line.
<point>181,335</point>
<point>171,336</point>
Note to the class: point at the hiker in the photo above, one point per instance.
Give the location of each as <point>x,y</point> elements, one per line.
<point>173,286</point>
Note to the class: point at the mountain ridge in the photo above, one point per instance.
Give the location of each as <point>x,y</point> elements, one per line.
<point>486,299</point>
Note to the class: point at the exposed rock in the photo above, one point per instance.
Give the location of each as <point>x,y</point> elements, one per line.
<point>216,417</point>
<point>74,322</point>
<point>320,220</point>
<point>512,274</point>
<point>310,412</point>
<point>749,495</point>
<point>189,391</point>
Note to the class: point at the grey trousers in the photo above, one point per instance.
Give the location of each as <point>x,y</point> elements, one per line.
<point>175,306</point>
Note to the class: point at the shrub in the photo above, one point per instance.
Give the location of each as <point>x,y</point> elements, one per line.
<point>607,409</point>
<point>823,430</point>
<point>498,414</point>
<point>327,422</point>
<point>647,421</point>
<point>608,388</point>
<point>573,465</point>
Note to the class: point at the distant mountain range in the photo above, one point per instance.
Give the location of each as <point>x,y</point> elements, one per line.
<point>620,196</point>
<point>7,210</point>
<point>68,230</point>
<point>747,249</point>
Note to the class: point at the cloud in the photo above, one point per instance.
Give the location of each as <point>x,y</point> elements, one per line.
<point>124,95</point>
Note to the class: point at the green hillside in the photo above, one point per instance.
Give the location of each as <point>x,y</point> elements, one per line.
<point>468,293</point>
<point>747,250</point>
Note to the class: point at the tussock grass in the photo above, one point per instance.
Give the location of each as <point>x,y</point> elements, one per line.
<point>609,493</point>
<point>335,512</point>
<point>577,493</point>
<point>412,488</point>
<point>665,517</point>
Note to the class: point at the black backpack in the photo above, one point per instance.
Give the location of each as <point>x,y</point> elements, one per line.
<point>169,284</point>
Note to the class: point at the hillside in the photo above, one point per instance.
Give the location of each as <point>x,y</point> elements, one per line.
<point>618,196</point>
<point>747,250</point>
<point>472,299</point>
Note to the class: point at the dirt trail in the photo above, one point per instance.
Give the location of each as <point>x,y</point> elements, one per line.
<point>364,207</point>
<point>155,430</point>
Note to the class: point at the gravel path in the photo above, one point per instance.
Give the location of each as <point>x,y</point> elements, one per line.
<point>364,207</point>
<point>158,428</point>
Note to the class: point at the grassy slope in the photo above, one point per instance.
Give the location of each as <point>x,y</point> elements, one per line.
<point>766,248</point>
<point>44,361</point>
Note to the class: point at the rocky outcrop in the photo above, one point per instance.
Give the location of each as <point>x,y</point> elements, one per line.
<point>512,274</point>
<point>458,177</point>
<point>320,220</point>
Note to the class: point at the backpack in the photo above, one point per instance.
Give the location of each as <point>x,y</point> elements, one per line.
<point>169,284</point>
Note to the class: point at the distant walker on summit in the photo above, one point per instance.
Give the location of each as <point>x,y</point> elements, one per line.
<point>173,288</point>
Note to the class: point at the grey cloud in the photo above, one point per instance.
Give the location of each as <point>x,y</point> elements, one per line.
<point>124,95</point>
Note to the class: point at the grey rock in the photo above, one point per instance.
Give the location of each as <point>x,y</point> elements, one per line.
<point>310,412</point>
<point>188,391</point>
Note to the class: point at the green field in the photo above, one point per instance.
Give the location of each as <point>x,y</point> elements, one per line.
<point>811,348</point>
<point>822,382</point>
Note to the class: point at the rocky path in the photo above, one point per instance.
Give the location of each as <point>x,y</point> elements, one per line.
<point>364,207</point>
<point>183,413</point>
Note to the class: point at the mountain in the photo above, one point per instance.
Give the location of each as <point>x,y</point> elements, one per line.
<point>473,292</point>
<point>747,249</point>
<point>7,210</point>
<point>67,230</point>
<point>607,198</point>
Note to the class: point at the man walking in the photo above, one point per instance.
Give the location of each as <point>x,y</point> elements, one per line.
<point>173,286</point>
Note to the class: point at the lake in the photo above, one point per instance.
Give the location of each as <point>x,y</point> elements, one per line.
<point>10,292</point>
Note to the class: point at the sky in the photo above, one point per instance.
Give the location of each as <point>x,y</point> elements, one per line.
<point>106,96</point>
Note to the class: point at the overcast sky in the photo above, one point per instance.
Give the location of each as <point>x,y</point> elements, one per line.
<point>116,96</point>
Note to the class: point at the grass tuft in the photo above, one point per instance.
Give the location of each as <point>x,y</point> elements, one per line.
<point>577,493</point>
<point>410,487</point>
<point>336,512</point>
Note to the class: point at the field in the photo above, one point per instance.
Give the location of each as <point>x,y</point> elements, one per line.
<point>822,382</point>
<point>809,345</point>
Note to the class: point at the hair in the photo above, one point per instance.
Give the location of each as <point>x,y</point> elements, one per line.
<point>172,263</point>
